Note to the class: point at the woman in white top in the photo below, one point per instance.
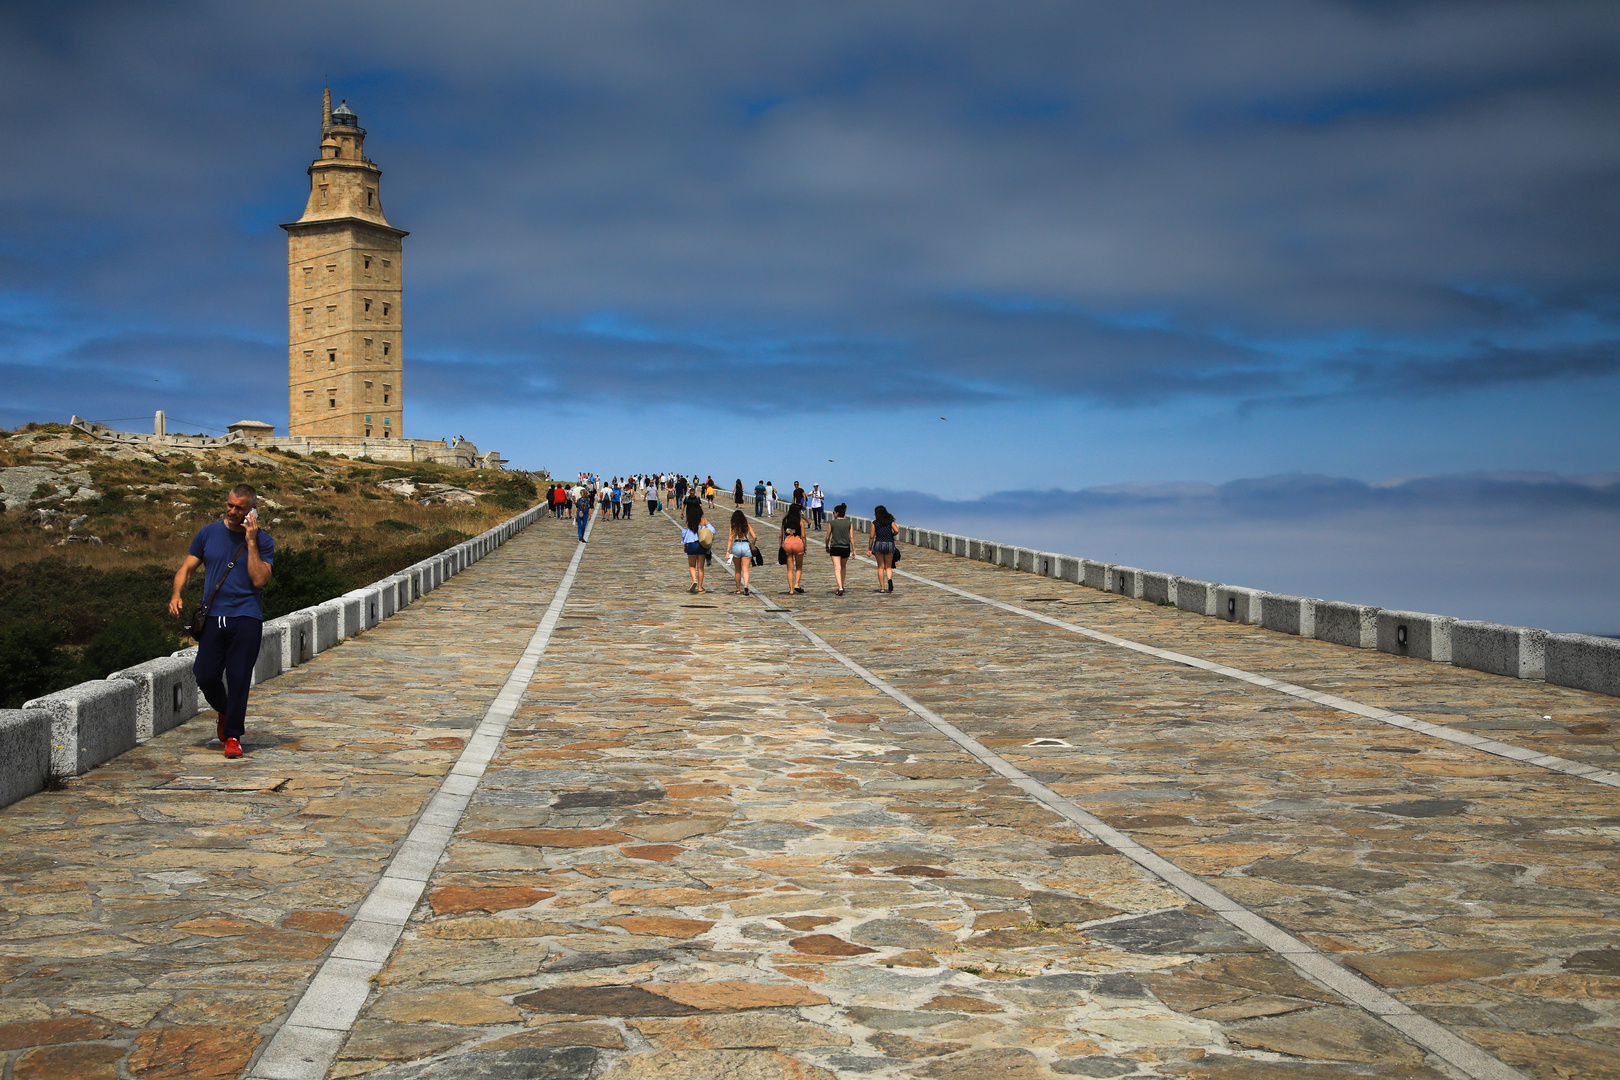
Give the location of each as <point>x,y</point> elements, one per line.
<point>697,552</point>
<point>770,499</point>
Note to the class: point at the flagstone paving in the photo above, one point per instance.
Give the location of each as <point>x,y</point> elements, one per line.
<point>158,914</point>
<point>707,849</point>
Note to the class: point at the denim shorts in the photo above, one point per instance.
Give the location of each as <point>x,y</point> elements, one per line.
<point>741,549</point>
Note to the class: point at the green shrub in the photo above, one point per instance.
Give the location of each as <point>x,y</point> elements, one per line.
<point>31,663</point>
<point>125,644</point>
<point>396,525</point>
<point>300,578</point>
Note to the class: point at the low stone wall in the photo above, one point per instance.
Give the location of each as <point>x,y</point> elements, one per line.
<point>461,455</point>
<point>74,730</point>
<point>1580,661</point>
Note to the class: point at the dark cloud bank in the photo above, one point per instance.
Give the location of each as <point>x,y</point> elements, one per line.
<point>1534,550</point>
<point>1267,203</point>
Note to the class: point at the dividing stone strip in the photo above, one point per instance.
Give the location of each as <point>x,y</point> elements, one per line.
<point>1310,962</point>
<point>310,1038</point>
<point>1332,701</point>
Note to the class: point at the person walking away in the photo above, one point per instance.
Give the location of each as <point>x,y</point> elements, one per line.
<point>236,557</point>
<point>840,544</point>
<point>650,493</point>
<point>680,490</point>
<point>881,547</point>
<point>770,499</point>
<point>759,498</point>
<point>708,491</point>
<point>742,543</point>
<point>582,510</point>
<point>737,492</point>
<point>618,499</point>
<point>697,552</point>
<point>793,545</point>
<point>816,500</point>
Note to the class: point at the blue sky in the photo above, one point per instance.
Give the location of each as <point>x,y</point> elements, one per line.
<point>1106,243</point>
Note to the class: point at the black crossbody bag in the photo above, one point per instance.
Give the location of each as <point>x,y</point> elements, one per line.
<point>199,617</point>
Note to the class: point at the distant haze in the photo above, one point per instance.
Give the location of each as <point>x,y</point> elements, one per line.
<point>1532,550</point>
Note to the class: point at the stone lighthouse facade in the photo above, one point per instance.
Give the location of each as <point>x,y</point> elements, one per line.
<point>344,356</point>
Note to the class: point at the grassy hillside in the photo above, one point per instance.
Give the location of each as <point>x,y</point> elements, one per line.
<point>92,534</point>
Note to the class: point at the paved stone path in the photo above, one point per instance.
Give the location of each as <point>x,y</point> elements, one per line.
<point>707,848</point>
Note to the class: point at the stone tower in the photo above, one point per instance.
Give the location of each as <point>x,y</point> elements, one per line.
<point>344,359</point>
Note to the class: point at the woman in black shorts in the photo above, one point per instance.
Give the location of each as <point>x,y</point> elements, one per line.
<point>881,547</point>
<point>839,543</point>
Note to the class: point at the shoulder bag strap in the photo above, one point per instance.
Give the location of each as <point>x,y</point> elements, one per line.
<point>228,566</point>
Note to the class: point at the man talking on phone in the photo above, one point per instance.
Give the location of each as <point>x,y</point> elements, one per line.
<point>236,556</point>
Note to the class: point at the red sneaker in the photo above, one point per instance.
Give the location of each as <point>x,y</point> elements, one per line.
<point>233,748</point>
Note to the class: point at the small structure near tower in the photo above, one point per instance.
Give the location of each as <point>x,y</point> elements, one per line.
<point>345,361</point>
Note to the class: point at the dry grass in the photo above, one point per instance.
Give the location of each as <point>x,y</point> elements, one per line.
<point>331,504</point>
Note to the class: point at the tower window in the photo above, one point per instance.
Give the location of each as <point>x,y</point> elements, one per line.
<point>368,433</point>
<point>309,398</point>
<point>386,390</point>
<point>368,396</point>
<point>309,318</point>
<point>331,273</point>
<point>388,267</point>
<point>369,195</point>
<point>385,310</point>
<point>368,418</point>
<point>323,194</point>
<point>368,307</point>
<point>385,348</point>
<point>309,278</point>
<point>387,421</point>
<point>368,348</point>
<point>331,397</point>
<point>309,359</point>
<point>331,315</point>
<point>367,266</point>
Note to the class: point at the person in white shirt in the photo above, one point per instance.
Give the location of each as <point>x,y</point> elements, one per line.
<point>770,499</point>
<point>815,507</point>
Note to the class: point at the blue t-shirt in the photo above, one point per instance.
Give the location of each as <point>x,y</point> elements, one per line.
<point>215,545</point>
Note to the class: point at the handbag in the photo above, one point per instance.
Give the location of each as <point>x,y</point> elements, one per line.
<point>199,617</point>
<point>705,535</point>
<point>781,555</point>
<point>755,557</point>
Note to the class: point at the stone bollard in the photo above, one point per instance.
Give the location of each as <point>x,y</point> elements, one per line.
<point>1415,634</point>
<point>1288,614</point>
<point>1159,588</point>
<point>272,647</point>
<point>166,694</point>
<point>1069,569</point>
<point>297,638</point>
<point>370,613</point>
<point>1355,625</point>
<point>1196,596</point>
<point>90,723</point>
<point>1516,651</point>
<point>1096,575</point>
<point>25,753</point>
<point>328,618</point>
<point>1126,580</point>
<point>1237,604</point>
<point>1584,662</point>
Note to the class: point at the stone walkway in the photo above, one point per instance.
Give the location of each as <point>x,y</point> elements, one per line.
<point>709,849</point>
